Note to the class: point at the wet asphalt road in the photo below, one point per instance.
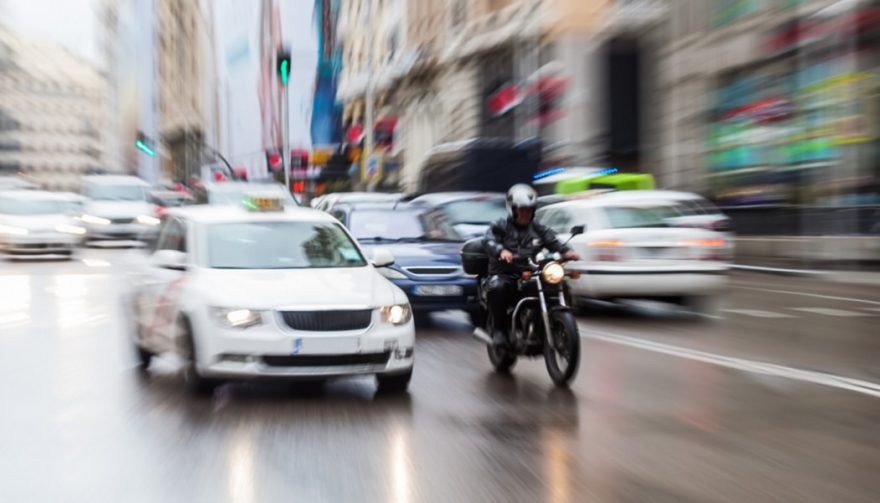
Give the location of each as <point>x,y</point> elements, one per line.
<point>770,401</point>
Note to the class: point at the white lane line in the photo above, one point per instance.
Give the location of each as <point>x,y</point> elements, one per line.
<point>757,313</point>
<point>756,367</point>
<point>807,294</point>
<point>827,311</point>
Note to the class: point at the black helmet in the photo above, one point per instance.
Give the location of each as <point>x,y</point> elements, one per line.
<point>521,196</point>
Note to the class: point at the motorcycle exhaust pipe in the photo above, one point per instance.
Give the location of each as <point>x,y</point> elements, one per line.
<point>481,335</point>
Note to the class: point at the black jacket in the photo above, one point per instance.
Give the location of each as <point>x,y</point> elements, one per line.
<point>521,241</point>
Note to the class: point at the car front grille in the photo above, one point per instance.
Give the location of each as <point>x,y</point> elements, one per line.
<point>122,220</point>
<point>328,321</point>
<point>432,270</point>
<point>326,360</point>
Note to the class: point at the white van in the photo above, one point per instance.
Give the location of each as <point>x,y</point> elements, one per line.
<point>117,207</point>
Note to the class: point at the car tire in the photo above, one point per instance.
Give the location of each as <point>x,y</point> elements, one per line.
<point>393,383</point>
<point>195,382</point>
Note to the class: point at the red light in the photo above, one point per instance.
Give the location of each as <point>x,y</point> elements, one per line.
<point>299,186</point>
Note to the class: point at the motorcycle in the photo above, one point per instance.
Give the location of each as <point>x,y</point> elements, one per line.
<point>541,322</point>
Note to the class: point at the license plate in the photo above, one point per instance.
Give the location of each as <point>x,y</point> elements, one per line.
<point>325,345</point>
<point>437,290</point>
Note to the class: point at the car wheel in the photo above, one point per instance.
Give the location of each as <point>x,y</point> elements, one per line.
<point>393,383</point>
<point>195,382</point>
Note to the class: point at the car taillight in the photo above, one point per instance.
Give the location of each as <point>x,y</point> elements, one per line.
<point>606,251</point>
<point>708,249</point>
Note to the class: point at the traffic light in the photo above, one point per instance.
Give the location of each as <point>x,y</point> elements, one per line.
<point>283,62</point>
<point>145,144</point>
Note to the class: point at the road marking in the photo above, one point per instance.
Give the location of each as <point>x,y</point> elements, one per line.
<point>816,295</point>
<point>828,311</point>
<point>757,367</point>
<point>757,313</point>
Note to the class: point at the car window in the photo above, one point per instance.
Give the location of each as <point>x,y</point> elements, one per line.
<point>280,245</point>
<point>46,206</point>
<point>101,192</point>
<point>173,236</point>
<point>398,225</point>
<point>476,211</point>
<point>623,217</point>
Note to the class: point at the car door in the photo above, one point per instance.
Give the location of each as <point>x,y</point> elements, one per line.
<point>159,294</point>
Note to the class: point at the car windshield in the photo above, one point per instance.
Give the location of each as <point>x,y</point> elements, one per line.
<point>623,217</point>
<point>116,192</point>
<point>32,207</point>
<point>476,211</point>
<point>397,225</point>
<point>280,245</point>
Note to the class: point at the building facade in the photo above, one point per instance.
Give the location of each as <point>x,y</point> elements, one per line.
<point>774,103</point>
<point>518,70</point>
<point>51,118</point>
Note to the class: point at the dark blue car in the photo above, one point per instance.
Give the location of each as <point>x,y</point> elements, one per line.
<point>426,251</point>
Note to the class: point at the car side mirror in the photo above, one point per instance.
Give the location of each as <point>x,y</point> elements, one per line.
<point>382,258</point>
<point>577,230</point>
<point>170,259</point>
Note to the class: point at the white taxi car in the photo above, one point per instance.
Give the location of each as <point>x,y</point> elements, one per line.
<point>630,251</point>
<point>34,222</point>
<point>268,290</point>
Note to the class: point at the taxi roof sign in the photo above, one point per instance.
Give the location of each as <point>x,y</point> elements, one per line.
<point>262,203</point>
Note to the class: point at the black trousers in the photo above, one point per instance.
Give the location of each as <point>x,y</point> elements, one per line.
<point>500,293</point>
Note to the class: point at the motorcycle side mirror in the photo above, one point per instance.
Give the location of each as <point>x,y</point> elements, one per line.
<point>577,230</point>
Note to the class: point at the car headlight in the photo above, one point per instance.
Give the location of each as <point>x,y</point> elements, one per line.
<point>12,231</point>
<point>553,273</point>
<point>92,219</point>
<point>148,220</point>
<point>398,314</point>
<point>391,273</point>
<point>70,229</point>
<point>236,317</point>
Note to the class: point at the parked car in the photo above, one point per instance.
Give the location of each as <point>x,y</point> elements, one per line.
<point>426,250</point>
<point>34,222</point>
<point>470,213</point>
<point>118,207</point>
<point>630,250</point>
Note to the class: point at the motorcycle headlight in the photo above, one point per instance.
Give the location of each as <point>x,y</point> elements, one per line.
<point>553,273</point>
<point>92,219</point>
<point>398,314</point>
<point>12,230</point>
<point>236,317</point>
<point>148,220</point>
<point>70,229</point>
<point>391,273</point>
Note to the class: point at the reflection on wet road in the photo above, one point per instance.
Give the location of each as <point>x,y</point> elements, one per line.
<point>79,423</point>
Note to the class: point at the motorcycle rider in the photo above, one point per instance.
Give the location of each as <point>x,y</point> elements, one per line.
<point>518,235</point>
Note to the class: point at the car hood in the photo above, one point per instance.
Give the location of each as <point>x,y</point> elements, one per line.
<point>278,288</point>
<point>413,254</point>
<point>36,222</point>
<point>117,209</point>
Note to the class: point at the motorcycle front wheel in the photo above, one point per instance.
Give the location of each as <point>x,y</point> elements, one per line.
<point>562,351</point>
